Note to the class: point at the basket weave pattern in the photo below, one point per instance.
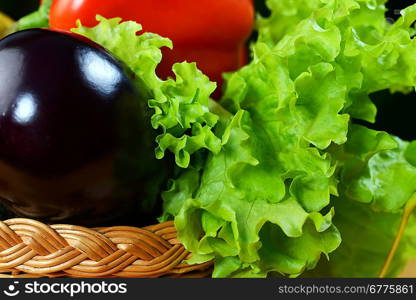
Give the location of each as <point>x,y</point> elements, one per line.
<point>29,248</point>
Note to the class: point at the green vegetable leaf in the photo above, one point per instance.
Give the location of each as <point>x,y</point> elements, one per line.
<point>180,106</point>
<point>290,156</point>
<point>367,236</point>
<point>37,19</point>
<point>377,169</point>
<point>377,180</point>
<point>238,203</point>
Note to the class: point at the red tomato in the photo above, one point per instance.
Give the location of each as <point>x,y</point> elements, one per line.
<point>210,32</point>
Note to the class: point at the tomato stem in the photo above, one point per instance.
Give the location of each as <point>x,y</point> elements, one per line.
<point>408,210</point>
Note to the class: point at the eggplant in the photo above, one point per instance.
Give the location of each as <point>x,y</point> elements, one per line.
<point>75,141</point>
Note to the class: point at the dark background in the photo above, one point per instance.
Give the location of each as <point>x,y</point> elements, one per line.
<point>396,112</point>
<point>18,8</point>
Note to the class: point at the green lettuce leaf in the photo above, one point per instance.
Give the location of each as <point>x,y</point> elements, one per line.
<point>377,169</point>
<point>238,202</point>
<point>266,202</point>
<point>286,14</point>
<point>367,236</point>
<point>180,106</point>
<point>377,179</point>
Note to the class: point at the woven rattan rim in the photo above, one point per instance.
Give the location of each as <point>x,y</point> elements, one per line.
<point>29,248</point>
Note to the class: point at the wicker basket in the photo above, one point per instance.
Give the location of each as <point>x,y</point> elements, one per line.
<point>29,248</point>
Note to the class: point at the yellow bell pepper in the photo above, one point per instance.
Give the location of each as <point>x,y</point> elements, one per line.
<point>5,24</point>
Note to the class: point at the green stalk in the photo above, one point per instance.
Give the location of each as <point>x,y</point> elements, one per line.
<point>408,211</point>
<point>37,19</point>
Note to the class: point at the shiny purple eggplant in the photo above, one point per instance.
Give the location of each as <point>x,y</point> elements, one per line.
<point>75,140</point>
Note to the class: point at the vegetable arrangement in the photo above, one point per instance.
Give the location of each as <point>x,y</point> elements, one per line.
<point>278,178</point>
